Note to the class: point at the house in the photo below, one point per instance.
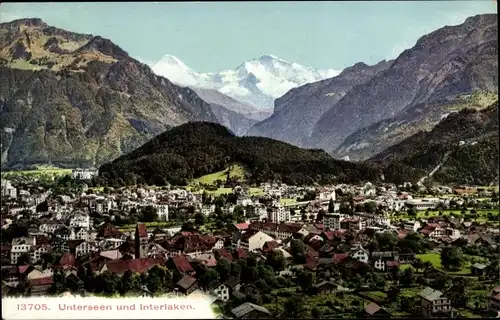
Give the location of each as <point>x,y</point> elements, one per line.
<point>412,225</point>
<point>39,286</point>
<point>226,289</point>
<point>187,285</point>
<point>360,254</point>
<point>434,304</point>
<point>139,292</point>
<point>141,265</point>
<point>181,264</point>
<point>253,240</point>
<point>479,269</point>
<point>325,287</point>
<point>249,310</point>
<point>373,310</point>
<point>433,231</point>
<point>494,299</point>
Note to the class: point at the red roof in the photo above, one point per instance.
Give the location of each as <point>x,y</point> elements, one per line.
<point>241,226</point>
<point>222,253</point>
<point>135,265</point>
<point>241,253</point>
<point>22,269</point>
<point>328,235</point>
<point>339,257</point>
<point>67,260</point>
<point>270,246</point>
<point>182,264</point>
<point>41,281</point>
<point>141,230</point>
<point>392,264</point>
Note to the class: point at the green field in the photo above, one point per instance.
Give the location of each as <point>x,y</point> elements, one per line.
<point>237,173</point>
<point>375,295</point>
<point>153,225</point>
<point>435,259</point>
<point>37,172</point>
<point>285,201</point>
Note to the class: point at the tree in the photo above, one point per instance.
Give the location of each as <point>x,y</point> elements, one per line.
<point>24,259</point>
<point>305,280</point>
<point>387,241</point>
<point>412,212</point>
<point>223,269</point>
<point>408,277</point>
<point>149,214</point>
<point>297,248</point>
<point>276,260</point>
<point>452,258</point>
<point>158,279</point>
<point>321,215</point>
<point>294,308</point>
<point>199,219</point>
<point>359,207</point>
<point>345,208</point>
<point>209,278</point>
<point>42,207</point>
<point>331,206</point>
<point>371,207</point>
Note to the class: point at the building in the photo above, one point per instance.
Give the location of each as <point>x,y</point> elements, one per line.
<point>8,191</point>
<point>494,299</point>
<point>80,220</point>
<point>423,204</point>
<point>84,174</point>
<point>250,311</point>
<point>141,241</point>
<point>253,240</point>
<point>278,214</point>
<point>21,246</point>
<point>434,304</point>
<point>332,221</point>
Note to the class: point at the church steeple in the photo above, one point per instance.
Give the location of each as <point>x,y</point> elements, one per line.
<point>141,241</point>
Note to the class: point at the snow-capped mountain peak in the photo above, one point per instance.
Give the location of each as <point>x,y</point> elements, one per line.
<point>257,82</point>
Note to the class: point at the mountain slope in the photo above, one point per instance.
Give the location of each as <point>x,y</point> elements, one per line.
<point>256,82</point>
<point>465,144</point>
<point>448,62</point>
<point>199,148</point>
<point>79,100</point>
<point>371,140</point>
<point>296,113</point>
<point>231,113</point>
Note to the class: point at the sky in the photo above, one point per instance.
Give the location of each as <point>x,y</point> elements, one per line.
<point>214,36</point>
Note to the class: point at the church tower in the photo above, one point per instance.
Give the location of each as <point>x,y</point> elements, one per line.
<point>141,241</point>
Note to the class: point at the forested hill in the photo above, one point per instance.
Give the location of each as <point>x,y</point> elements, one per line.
<point>198,148</point>
<point>464,144</point>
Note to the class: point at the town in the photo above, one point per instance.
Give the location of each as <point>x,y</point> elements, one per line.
<point>261,251</point>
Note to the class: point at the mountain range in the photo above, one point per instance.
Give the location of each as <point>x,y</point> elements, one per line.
<point>366,109</point>
<point>74,99</point>
<point>257,82</point>
<point>71,99</point>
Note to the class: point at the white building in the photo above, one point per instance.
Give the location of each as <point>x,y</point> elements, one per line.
<point>254,240</point>
<point>85,248</point>
<point>81,220</point>
<point>423,203</point>
<point>8,191</point>
<point>278,214</point>
<point>332,221</point>
<point>412,225</point>
<point>21,246</point>
<point>84,174</point>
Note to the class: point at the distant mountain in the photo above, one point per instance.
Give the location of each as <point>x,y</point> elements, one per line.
<point>462,148</point>
<point>444,64</point>
<point>78,100</point>
<point>231,113</point>
<point>198,148</point>
<point>371,140</point>
<point>256,82</point>
<point>296,113</point>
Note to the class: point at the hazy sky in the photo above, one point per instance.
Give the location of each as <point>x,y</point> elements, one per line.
<point>213,36</point>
